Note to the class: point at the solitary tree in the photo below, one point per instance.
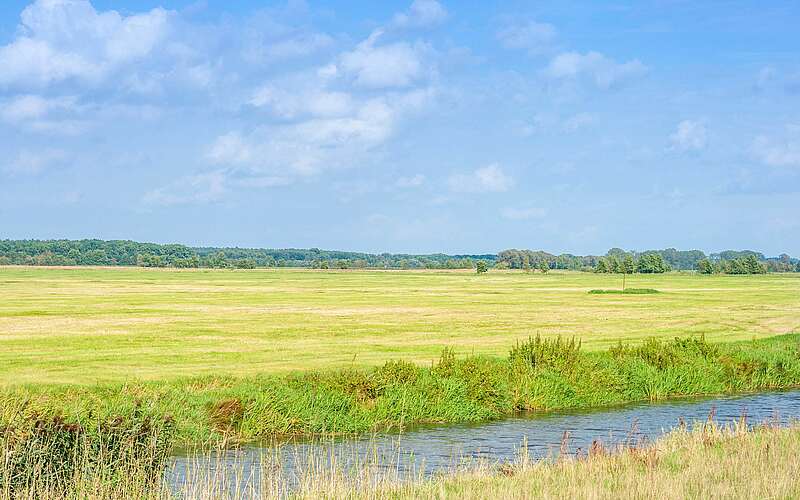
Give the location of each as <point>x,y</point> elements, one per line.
<point>626,267</point>
<point>481,267</point>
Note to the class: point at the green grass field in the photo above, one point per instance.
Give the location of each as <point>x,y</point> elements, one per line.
<point>90,325</point>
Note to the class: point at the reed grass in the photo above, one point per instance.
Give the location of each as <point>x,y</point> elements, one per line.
<point>710,461</point>
<point>537,375</point>
<point>707,460</point>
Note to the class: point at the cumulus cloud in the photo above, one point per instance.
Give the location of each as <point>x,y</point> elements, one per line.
<point>778,151</point>
<point>68,39</point>
<point>523,213</point>
<point>292,103</point>
<point>317,142</point>
<point>531,36</point>
<point>483,180</point>
<point>689,136</point>
<point>600,70</point>
<point>421,13</point>
<point>375,65</point>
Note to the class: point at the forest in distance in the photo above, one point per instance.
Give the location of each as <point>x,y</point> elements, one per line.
<point>95,252</point>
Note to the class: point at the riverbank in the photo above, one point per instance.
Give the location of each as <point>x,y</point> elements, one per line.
<point>707,462</point>
<point>537,375</point>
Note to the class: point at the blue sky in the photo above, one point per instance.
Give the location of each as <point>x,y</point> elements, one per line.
<point>417,126</point>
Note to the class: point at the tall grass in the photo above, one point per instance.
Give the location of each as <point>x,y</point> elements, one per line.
<point>709,461</point>
<point>537,375</point>
<point>47,457</point>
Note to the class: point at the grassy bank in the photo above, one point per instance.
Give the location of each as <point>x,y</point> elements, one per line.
<point>100,326</point>
<point>538,375</point>
<point>708,462</point>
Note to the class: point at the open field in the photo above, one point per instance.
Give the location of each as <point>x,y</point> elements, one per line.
<point>89,325</point>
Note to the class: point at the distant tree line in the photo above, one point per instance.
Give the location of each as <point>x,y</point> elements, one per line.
<point>739,265</point>
<point>130,253</point>
<point>617,260</point>
<point>529,260</point>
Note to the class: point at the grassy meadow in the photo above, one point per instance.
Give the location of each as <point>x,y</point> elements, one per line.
<point>115,325</point>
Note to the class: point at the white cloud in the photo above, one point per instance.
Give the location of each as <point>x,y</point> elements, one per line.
<point>36,113</point>
<point>65,39</point>
<point>33,163</point>
<point>25,107</point>
<point>523,213</point>
<point>333,116</point>
<point>230,149</point>
<point>531,36</point>
<point>291,103</point>
<point>689,136</point>
<point>778,152</point>
<point>318,142</point>
<point>486,179</point>
<point>410,182</point>
<point>421,13</point>
<point>396,64</point>
<point>596,67</point>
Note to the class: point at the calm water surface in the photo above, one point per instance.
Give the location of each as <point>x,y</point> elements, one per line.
<point>432,449</point>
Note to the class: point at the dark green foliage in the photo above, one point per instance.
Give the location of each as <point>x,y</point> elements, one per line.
<point>705,266</point>
<point>627,291</point>
<point>651,263</point>
<point>481,267</point>
<point>131,253</point>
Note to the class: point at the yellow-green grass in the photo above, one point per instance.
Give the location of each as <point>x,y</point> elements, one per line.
<point>709,462</point>
<point>90,325</point>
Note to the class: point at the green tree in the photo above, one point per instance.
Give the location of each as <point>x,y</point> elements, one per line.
<point>628,266</point>
<point>753,265</point>
<point>704,266</point>
<point>602,266</point>
<point>481,267</point>
<point>652,263</point>
<point>544,266</point>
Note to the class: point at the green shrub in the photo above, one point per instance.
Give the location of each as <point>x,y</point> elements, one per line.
<point>540,353</point>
